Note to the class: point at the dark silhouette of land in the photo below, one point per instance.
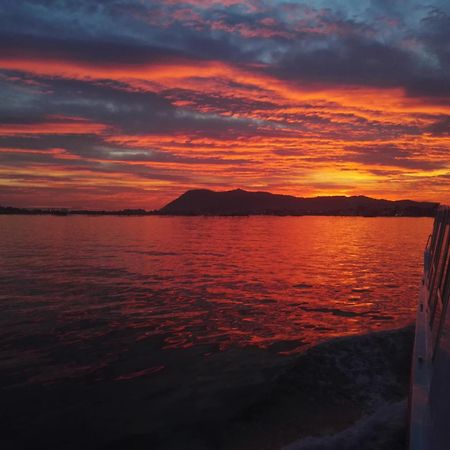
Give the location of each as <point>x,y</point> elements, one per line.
<point>198,202</point>
<point>5,210</point>
<point>240,202</point>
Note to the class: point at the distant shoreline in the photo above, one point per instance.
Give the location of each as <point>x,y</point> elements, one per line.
<point>241,203</point>
<point>10,211</point>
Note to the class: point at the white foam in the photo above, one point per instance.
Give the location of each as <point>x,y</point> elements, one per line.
<point>378,431</point>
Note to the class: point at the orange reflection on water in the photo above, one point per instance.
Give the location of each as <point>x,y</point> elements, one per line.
<point>278,283</point>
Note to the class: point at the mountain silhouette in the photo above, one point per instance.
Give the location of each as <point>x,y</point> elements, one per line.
<point>241,202</point>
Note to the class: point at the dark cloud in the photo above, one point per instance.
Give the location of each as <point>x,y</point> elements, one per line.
<point>349,61</point>
<point>441,127</point>
<point>113,103</point>
<point>390,155</point>
<point>327,43</point>
<point>99,51</point>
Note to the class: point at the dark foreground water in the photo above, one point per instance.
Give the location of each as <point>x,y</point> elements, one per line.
<point>191,333</point>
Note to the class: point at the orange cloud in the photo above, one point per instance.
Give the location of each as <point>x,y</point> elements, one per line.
<point>298,141</point>
<point>69,126</point>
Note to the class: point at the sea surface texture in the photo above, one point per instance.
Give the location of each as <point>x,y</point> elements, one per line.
<point>169,332</point>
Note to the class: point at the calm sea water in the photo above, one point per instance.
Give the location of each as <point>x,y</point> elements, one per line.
<point>120,326</point>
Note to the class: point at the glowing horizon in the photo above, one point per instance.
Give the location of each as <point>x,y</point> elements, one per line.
<point>132,103</point>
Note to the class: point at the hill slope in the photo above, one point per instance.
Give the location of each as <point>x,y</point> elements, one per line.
<point>240,202</point>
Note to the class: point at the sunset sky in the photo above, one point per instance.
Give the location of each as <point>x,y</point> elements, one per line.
<point>128,103</point>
